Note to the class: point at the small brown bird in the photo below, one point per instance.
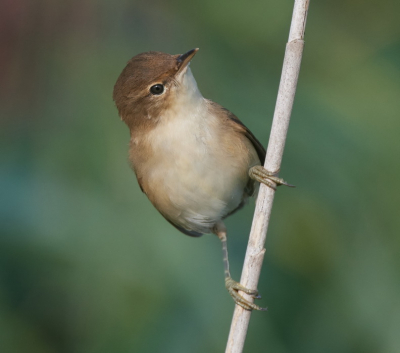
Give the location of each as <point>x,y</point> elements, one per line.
<point>195,160</point>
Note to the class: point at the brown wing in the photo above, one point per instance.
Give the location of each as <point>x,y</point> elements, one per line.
<point>234,121</point>
<point>221,111</point>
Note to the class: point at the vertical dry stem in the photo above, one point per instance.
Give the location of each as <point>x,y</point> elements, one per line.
<point>255,249</point>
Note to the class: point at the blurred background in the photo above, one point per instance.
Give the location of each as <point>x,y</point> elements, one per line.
<point>88,265</point>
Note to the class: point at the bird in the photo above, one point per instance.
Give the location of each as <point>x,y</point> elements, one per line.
<point>195,160</point>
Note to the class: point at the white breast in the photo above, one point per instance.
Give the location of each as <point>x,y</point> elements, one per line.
<point>197,182</point>
<point>193,178</point>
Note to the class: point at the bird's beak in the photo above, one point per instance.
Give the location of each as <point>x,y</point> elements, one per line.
<point>184,59</point>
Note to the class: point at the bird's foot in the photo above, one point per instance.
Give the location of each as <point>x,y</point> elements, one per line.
<point>234,288</point>
<point>260,174</point>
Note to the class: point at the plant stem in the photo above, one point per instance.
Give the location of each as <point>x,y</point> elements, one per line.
<point>283,109</point>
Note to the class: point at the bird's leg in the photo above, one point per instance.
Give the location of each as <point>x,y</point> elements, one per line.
<point>232,286</point>
<point>260,174</point>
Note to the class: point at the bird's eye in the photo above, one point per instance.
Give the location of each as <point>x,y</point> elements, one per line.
<point>157,89</point>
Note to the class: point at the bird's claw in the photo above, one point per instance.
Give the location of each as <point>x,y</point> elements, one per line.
<point>234,288</point>
<point>260,174</point>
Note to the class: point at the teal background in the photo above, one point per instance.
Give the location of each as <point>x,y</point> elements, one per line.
<point>87,265</point>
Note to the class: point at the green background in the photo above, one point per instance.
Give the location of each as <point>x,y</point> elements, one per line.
<point>87,265</point>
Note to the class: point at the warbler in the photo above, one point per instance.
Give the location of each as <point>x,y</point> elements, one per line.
<point>195,160</point>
